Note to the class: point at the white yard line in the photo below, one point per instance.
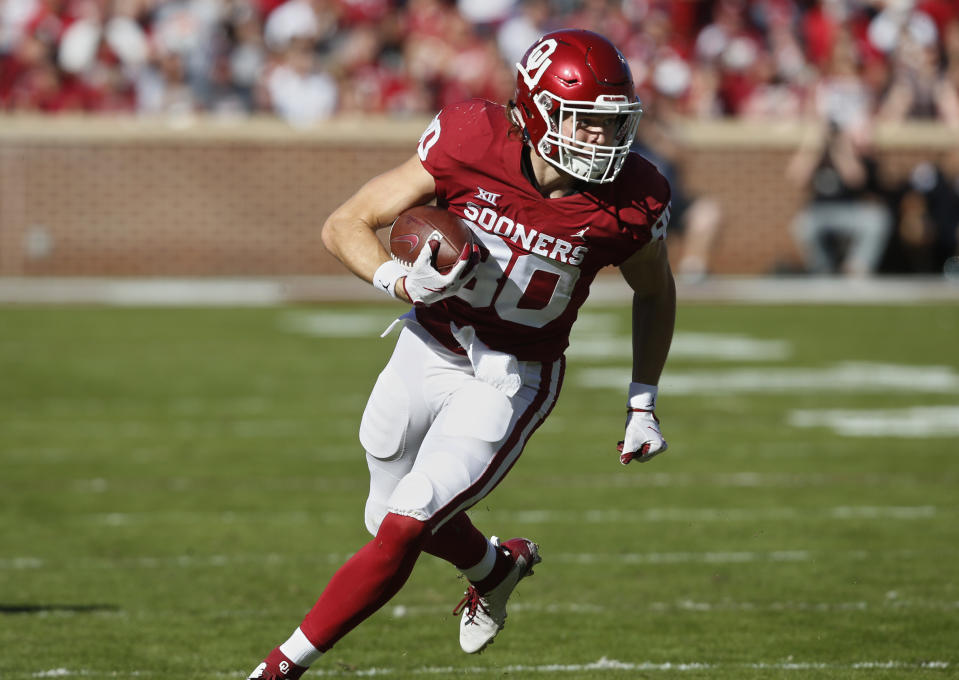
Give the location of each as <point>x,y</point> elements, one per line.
<point>606,289</point>
<point>892,603</point>
<point>401,611</point>
<point>611,665</point>
<point>534,516</point>
<point>592,345</point>
<point>597,667</point>
<point>915,422</point>
<point>719,514</point>
<point>594,337</point>
<point>734,480</point>
<point>844,376</point>
<point>27,562</point>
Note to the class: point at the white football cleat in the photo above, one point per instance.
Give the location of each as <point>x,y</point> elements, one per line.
<point>484,615</point>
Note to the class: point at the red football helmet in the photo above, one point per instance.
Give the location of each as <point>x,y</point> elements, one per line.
<point>574,73</point>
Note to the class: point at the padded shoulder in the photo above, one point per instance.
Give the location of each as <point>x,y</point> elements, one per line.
<point>463,134</point>
<point>645,182</point>
<point>641,195</point>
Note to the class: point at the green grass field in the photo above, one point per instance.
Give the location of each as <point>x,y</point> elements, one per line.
<point>178,485</point>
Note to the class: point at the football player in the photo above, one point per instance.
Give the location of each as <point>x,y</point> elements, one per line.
<point>553,194</point>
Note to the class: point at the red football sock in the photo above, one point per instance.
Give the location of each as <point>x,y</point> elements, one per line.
<point>366,581</point>
<point>458,542</point>
<point>278,664</point>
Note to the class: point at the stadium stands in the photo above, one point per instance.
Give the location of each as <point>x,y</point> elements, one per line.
<point>228,129</point>
<point>306,60</point>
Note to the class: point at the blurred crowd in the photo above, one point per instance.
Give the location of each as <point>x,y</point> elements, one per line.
<point>847,64</point>
<point>305,60</point>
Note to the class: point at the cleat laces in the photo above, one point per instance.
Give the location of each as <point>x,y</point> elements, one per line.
<point>471,603</point>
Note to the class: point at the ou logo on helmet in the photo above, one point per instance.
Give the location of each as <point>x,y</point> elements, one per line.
<point>537,62</point>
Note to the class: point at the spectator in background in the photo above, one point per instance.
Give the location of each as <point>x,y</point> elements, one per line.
<point>695,219</point>
<point>295,83</point>
<point>373,77</point>
<point>845,226</point>
<point>314,20</point>
<point>174,79</point>
<point>818,27</point>
<point>950,48</point>
<point>183,31</point>
<point>486,15</point>
<point>239,60</point>
<point>755,59</point>
<point>733,48</point>
<point>530,20</point>
<point>427,49</point>
<point>162,87</point>
<point>297,88</point>
<point>929,214</point>
<point>652,40</point>
<point>781,74</point>
<point>840,95</point>
<point>474,68</point>
<point>605,16</point>
<point>29,77</point>
<point>40,88</point>
<point>920,86</point>
<point>126,49</point>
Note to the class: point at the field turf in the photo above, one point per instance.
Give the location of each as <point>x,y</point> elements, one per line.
<point>177,485</point>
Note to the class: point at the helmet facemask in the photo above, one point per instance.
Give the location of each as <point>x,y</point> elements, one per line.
<point>570,79</point>
<point>597,163</point>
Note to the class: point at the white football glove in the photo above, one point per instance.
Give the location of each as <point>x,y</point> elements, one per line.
<point>643,439</point>
<point>424,285</point>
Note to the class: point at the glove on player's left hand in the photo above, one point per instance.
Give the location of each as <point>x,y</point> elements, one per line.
<point>643,439</point>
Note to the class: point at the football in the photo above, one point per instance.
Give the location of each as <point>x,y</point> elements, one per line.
<point>413,227</point>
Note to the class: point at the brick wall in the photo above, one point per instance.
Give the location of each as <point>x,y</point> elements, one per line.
<point>141,198</point>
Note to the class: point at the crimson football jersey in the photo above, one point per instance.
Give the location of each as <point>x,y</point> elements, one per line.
<point>541,254</point>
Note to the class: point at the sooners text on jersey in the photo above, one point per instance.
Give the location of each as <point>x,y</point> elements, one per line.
<point>541,254</point>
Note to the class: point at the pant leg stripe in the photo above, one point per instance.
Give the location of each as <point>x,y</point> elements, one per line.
<point>551,380</point>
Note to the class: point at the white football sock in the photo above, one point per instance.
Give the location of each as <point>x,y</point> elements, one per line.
<point>482,569</point>
<point>299,650</point>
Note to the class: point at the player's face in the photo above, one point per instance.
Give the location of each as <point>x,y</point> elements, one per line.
<point>591,128</point>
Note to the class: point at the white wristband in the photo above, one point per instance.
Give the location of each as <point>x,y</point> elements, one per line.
<point>642,396</point>
<point>386,276</point>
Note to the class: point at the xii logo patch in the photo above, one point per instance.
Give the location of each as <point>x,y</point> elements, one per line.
<point>487,196</point>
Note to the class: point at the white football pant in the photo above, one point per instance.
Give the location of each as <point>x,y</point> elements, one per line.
<point>438,439</point>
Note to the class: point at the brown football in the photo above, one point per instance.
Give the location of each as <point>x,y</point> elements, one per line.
<point>413,227</point>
